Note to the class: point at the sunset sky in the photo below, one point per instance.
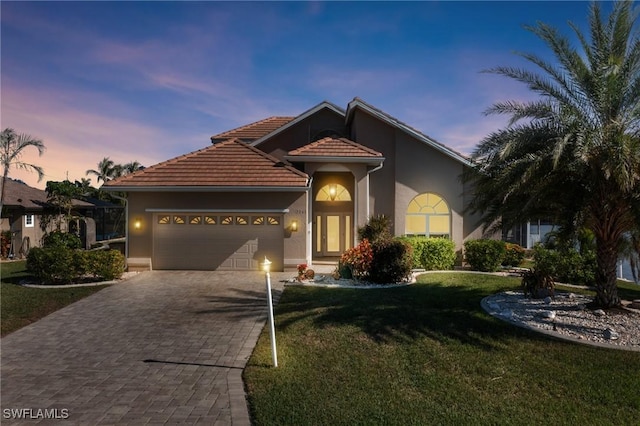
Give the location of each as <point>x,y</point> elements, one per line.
<point>149,81</point>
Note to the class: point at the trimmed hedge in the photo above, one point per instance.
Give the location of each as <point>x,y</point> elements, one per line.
<point>432,254</point>
<point>61,265</point>
<point>485,255</point>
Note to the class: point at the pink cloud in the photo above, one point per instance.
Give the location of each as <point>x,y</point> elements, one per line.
<point>76,135</point>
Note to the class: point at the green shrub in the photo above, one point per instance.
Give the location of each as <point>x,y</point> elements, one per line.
<point>566,265</point>
<point>61,239</point>
<point>484,255</point>
<point>106,264</point>
<point>62,265</point>
<point>438,254</point>
<point>417,246</point>
<point>432,254</point>
<point>52,265</point>
<point>391,261</point>
<point>514,255</point>
<point>377,228</point>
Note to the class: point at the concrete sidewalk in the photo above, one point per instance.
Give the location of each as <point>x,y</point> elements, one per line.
<point>163,347</point>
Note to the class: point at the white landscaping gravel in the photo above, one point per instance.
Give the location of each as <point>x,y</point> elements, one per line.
<point>567,316</point>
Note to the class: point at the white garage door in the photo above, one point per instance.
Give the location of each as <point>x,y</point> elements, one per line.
<point>202,241</point>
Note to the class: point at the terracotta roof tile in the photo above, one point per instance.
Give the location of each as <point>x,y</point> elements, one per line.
<point>335,147</point>
<point>253,131</point>
<point>226,164</point>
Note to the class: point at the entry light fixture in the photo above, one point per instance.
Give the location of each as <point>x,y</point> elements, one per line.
<point>137,223</point>
<point>333,191</point>
<point>294,226</point>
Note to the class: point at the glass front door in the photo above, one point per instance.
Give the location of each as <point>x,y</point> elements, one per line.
<point>333,234</point>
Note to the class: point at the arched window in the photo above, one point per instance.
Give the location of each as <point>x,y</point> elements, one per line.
<point>333,192</point>
<point>428,214</point>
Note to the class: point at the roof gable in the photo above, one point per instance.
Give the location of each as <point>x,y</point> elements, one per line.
<point>301,117</point>
<point>358,103</point>
<point>231,164</point>
<point>335,147</point>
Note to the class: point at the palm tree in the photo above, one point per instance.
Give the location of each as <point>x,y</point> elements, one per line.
<point>572,155</point>
<point>132,167</point>
<point>11,150</point>
<point>105,172</point>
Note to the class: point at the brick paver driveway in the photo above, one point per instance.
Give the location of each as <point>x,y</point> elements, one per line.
<point>162,347</point>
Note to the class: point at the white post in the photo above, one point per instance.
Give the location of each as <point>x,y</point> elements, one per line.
<point>272,327</point>
<point>620,268</point>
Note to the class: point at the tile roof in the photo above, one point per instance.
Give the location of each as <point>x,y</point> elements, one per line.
<point>19,194</point>
<point>334,147</point>
<point>253,131</point>
<point>231,163</point>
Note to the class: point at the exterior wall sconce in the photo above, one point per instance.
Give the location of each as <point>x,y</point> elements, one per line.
<point>333,191</point>
<point>294,226</point>
<point>137,224</point>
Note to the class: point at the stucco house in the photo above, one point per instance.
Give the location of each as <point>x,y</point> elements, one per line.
<point>23,210</point>
<point>293,189</point>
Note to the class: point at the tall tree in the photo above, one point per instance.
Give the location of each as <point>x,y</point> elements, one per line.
<point>12,147</point>
<point>106,170</point>
<point>132,167</point>
<point>573,154</point>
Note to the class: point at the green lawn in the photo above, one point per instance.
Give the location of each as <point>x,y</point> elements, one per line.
<point>20,306</point>
<point>428,354</point>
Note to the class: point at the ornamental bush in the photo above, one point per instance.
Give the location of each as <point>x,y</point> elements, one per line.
<point>391,261</point>
<point>377,228</point>
<point>513,255</point>
<point>61,239</point>
<point>566,265</point>
<point>53,265</point>
<point>432,254</point>
<point>105,265</point>
<point>484,255</point>
<point>358,259</point>
<point>58,264</point>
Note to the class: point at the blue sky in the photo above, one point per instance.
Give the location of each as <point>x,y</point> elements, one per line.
<point>149,81</point>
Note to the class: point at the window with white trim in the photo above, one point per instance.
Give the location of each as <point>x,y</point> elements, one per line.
<point>29,221</point>
<point>428,214</point>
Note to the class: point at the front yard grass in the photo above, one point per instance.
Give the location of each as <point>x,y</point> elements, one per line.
<point>428,354</point>
<point>21,306</point>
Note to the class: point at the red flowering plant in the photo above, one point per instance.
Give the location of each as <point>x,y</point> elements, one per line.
<point>358,259</point>
<point>302,268</point>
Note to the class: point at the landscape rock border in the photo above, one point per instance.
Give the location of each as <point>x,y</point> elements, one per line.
<point>547,318</point>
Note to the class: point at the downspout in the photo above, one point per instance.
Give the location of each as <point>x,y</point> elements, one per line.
<point>126,228</point>
<point>368,206</point>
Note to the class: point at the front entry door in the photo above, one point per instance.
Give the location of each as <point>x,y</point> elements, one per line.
<point>333,233</point>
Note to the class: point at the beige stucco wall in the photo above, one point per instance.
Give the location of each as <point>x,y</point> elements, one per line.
<point>412,167</point>
<point>371,132</point>
<point>140,241</point>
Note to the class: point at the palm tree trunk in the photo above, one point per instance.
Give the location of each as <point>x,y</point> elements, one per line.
<point>606,279</point>
<point>5,173</point>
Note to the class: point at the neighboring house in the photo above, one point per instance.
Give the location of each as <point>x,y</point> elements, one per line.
<point>294,189</point>
<point>22,213</point>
